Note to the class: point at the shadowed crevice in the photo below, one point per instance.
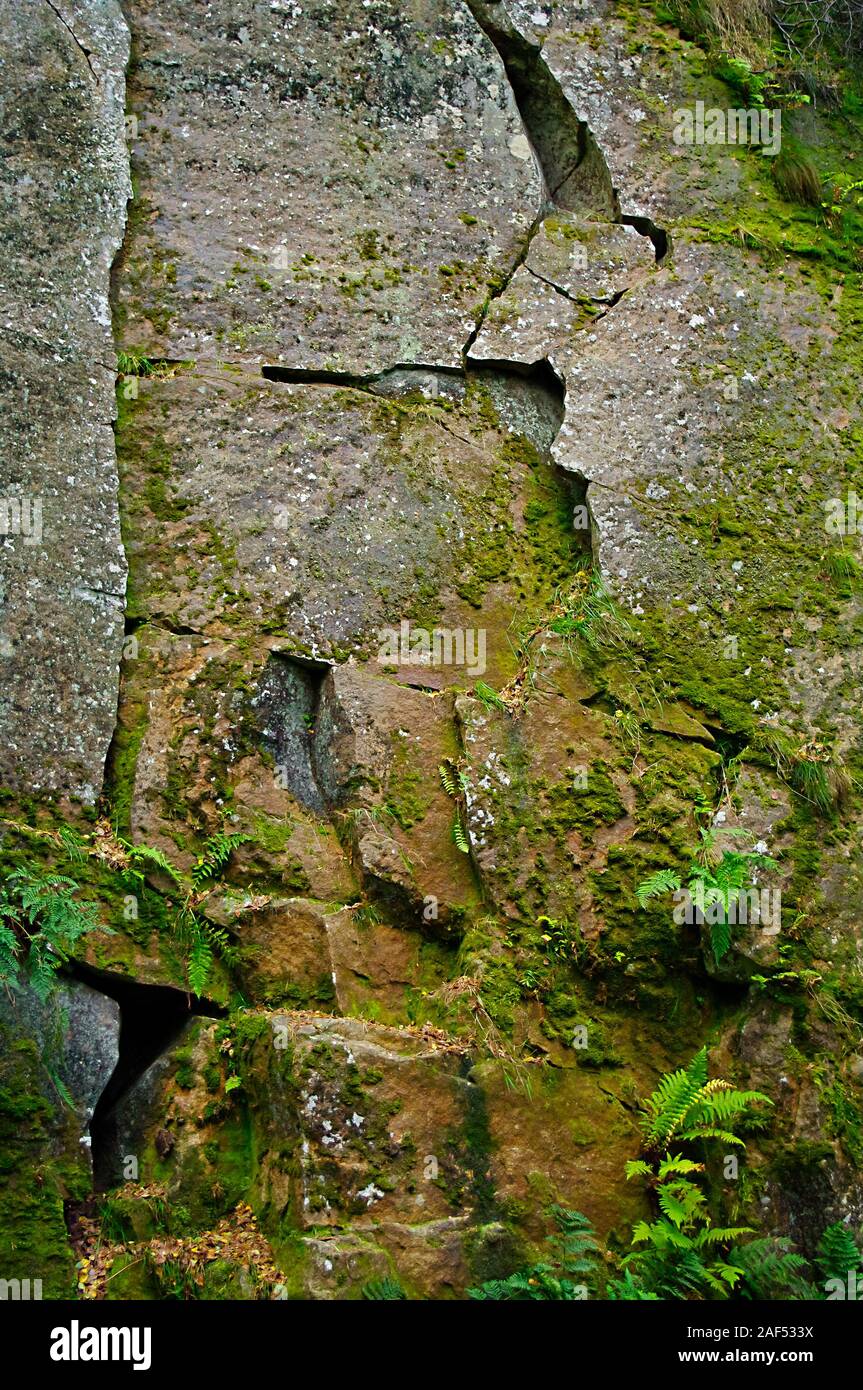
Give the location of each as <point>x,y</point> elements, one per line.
<point>647,228</point>
<point>151,1019</point>
<point>287,704</point>
<point>575,175</point>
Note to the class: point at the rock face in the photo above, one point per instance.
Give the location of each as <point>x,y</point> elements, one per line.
<point>77,1034</point>
<point>405,121</point>
<point>62,568</point>
<point>380,1128</point>
<point>56,1058</point>
<point>474,440</point>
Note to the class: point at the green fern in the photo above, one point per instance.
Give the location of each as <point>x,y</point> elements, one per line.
<point>142,857</point>
<point>686,1107</point>
<point>387,1290</point>
<point>454,780</point>
<point>662,882</point>
<point>575,1269</point>
<point>575,1244</point>
<point>676,1167</point>
<point>682,1253</point>
<point>59,1084</point>
<point>198,940</point>
<point>715,882</point>
<point>449,779</point>
<point>199,965</point>
<point>673,1097</point>
<point>629,1291</point>
<point>41,918</point>
<point>41,922</point>
<point>214,856</point>
<point>455,783</point>
<point>219,941</point>
<point>837,1252</point>
<point>9,951</point>
<point>720,938</point>
<point>770,1269</point>
<point>73,843</point>
<point>721,886</point>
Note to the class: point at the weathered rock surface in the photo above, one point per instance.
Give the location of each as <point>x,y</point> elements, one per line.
<point>370,1141</point>
<point>65,184</point>
<point>328,515</point>
<point>322,193</point>
<point>77,1033</point>
<point>475,440</point>
<point>55,1060</point>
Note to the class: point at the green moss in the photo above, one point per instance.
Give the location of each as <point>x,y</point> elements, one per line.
<point>568,806</point>
<point>465,1173</point>
<point>40,1166</point>
<point>409,788</point>
<point>131,1279</point>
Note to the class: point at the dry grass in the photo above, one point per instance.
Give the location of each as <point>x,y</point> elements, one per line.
<point>740,27</point>
<point>797,177</point>
<point>744,27</point>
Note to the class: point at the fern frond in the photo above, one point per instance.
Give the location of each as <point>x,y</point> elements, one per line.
<point>771,1270</point>
<point>672,1098</point>
<point>73,843</point>
<point>383,1290</point>
<point>626,1289</point>
<point>720,1235</point>
<point>42,911</point>
<point>200,964</point>
<point>720,939</point>
<point>9,966</point>
<point>680,1201</point>
<point>727,1136</point>
<point>732,871</point>
<point>449,779</point>
<point>577,1256</point>
<point>460,835</point>
<point>149,854</point>
<point>637,1168</point>
<point>576,1245</point>
<point>220,942</point>
<point>214,856</point>
<point>721,1277</point>
<point>662,882</point>
<point>641,1232</point>
<point>713,1113</point>
<point>669,1166</point>
<point>42,967</point>
<point>837,1252</point>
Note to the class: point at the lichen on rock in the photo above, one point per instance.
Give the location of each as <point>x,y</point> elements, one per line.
<point>464,475</point>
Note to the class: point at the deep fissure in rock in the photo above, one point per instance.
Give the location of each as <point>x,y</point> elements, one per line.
<point>86,52</point>
<point>151,1018</point>
<point>287,706</point>
<point>364,381</point>
<point>531,400</point>
<point>576,177</point>
<point>574,172</point>
<point>647,228</point>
